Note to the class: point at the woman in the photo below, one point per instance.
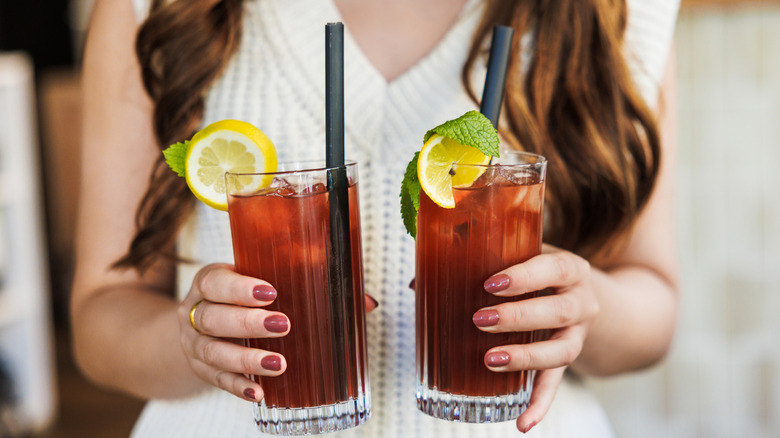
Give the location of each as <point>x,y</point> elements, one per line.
<point>573,95</point>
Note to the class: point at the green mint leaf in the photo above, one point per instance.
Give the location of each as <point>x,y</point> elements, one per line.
<point>175,155</point>
<point>471,129</point>
<point>410,196</point>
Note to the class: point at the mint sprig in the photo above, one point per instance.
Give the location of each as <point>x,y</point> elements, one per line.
<point>175,156</point>
<point>410,196</point>
<point>471,129</point>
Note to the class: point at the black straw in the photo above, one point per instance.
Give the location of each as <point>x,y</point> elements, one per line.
<point>495,79</point>
<point>334,94</point>
<point>341,302</point>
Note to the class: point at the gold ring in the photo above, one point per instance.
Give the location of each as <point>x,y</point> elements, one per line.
<point>192,315</point>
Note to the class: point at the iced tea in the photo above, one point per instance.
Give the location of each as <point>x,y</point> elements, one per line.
<point>281,235</point>
<point>496,223</point>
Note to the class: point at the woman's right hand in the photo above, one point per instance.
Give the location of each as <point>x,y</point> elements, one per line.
<point>229,307</point>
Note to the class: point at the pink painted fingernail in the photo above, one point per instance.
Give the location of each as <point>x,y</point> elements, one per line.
<point>249,393</point>
<point>276,323</point>
<point>497,359</point>
<point>374,303</point>
<point>485,318</point>
<point>497,283</point>
<point>264,292</point>
<point>271,362</point>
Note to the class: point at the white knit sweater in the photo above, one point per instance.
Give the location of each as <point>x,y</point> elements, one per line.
<point>276,82</point>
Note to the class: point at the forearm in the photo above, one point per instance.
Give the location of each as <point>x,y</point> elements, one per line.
<point>127,338</point>
<point>635,324</point>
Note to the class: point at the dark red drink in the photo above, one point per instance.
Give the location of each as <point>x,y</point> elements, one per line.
<point>496,223</point>
<point>281,235</point>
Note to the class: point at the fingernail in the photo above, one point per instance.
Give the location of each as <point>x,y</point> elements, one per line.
<point>485,318</point>
<point>529,427</point>
<point>271,362</point>
<point>497,283</point>
<point>373,301</point>
<point>249,393</point>
<point>276,323</point>
<point>264,292</point>
<point>497,359</point>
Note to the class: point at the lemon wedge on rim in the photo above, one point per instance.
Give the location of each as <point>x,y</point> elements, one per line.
<point>435,168</point>
<point>226,146</point>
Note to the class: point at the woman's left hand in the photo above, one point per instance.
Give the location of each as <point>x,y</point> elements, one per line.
<point>567,313</point>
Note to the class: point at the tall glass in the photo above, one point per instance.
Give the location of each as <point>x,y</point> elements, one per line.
<point>281,228</point>
<point>496,223</point>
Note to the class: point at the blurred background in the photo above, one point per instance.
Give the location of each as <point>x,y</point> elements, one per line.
<point>722,377</point>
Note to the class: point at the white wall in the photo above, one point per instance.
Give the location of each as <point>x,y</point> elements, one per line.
<point>722,378</point>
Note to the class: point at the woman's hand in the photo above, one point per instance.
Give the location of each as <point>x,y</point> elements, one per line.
<point>226,306</point>
<point>567,313</point>
<point>221,307</point>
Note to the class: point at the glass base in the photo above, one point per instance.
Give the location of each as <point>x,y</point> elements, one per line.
<point>472,409</point>
<point>312,421</point>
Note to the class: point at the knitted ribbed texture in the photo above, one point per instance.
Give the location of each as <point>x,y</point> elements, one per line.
<point>648,38</point>
<point>276,81</point>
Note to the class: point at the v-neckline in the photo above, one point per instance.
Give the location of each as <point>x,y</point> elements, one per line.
<point>358,43</point>
<point>295,30</point>
<point>291,12</point>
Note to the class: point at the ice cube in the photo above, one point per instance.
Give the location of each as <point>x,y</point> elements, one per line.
<point>285,191</point>
<point>279,182</point>
<point>314,189</point>
<point>282,187</point>
<point>534,197</point>
<point>264,191</point>
<point>484,180</point>
<point>522,177</point>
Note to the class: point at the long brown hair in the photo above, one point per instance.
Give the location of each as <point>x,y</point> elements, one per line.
<point>575,103</point>
<point>182,47</point>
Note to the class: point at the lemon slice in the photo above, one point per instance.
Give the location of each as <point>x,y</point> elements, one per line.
<point>435,163</point>
<point>226,146</point>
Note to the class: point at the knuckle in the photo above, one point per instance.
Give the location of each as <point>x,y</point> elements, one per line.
<point>204,320</point>
<point>565,309</point>
<point>571,350</point>
<point>249,322</point>
<point>247,361</point>
<point>209,352</point>
<point>202,278</point>
<point>514,315</point>
<point>561,266</point>
<point>222,379</point>
<point>522,275</point>
<point>523,359</point>
<point>207,278</point>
